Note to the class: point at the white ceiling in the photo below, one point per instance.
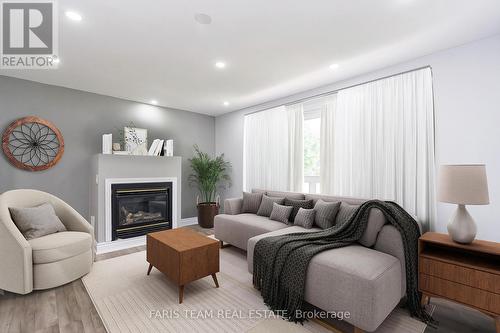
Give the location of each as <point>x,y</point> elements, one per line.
<point>154,49</point>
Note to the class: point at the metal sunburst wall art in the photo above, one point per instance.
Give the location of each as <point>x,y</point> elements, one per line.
<point>33,144</point>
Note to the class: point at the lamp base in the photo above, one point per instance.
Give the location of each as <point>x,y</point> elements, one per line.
<point>462,228</point>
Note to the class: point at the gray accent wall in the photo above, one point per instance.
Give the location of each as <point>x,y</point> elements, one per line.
<point>467,112</point>
<point>82,118</point>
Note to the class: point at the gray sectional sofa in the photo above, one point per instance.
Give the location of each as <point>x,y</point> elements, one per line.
<point>365,279</point>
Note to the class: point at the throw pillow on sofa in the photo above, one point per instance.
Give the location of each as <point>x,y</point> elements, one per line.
<point>34,222</point>
<point>266,205</point>
<point>345,213</point>
<point>280,213</point>
<point>305,218</point>
<point>251,202</point>
<point>325,213</point>
<point>296,204</point>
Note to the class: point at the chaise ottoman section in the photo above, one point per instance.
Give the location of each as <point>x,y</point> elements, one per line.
<point>237,229</point>
<point>367,284</point>
<point>355,279</point>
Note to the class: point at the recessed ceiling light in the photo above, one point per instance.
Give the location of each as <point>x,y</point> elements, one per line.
<point>220,64</point>
<point>73,16</point>
<point>334,66</point>
<point>226,103</point>
<point>203,18</point>
<point>154,102</point>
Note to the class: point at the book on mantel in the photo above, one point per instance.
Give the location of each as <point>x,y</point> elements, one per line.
<point>161,148</point>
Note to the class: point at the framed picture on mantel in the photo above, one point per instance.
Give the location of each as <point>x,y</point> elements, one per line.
<point>136,140</point>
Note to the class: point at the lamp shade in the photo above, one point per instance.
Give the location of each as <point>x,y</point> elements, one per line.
<point>463,184</point>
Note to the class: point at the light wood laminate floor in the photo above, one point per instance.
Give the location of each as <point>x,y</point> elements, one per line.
<point>68,309</point>
<point>64,309</point>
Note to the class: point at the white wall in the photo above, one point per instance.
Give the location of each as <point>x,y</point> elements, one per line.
<point>467,108</point>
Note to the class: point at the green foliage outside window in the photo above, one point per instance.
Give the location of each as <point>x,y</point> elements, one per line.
<point>311,147</point>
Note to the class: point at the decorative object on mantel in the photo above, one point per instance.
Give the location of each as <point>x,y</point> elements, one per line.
<point>136,140</point>
<point>209,174</point>
<point>156,148</point>
<point>169,148</point>
<point>107,143</point>
<point>33,144</point>
<point>131,139</point>
<point>161,147</point>
<point>463,185</point>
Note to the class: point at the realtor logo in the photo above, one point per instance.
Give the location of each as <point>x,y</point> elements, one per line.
<point>29,39</point>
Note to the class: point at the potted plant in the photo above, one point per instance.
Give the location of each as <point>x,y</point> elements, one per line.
<point>208,175</point>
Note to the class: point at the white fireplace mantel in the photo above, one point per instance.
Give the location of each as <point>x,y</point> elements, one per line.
<point>116,169</point>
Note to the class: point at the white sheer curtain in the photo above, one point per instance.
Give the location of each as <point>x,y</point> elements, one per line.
<point>274,149</point>
<point>327,145</point>
<point>383,144</point>
<point>265,153</point>
<point>295,147</point>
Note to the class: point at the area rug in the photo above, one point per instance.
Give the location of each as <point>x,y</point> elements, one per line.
<point>128,300</point>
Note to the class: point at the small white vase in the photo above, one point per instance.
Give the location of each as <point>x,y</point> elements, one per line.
<point>462,228</point>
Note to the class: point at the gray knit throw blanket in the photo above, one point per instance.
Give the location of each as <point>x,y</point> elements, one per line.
<point>280,262</point>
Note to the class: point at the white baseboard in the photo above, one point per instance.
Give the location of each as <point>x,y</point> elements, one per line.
<point>122,244</point>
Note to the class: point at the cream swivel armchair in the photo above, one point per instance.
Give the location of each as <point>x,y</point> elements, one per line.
<point>48,261</point>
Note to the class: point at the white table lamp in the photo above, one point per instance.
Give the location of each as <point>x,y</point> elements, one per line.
<point>463,185</point>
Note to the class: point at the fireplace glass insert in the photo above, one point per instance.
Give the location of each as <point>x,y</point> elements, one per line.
<point>138,209</point>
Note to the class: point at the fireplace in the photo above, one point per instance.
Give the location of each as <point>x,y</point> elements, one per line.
<point>140,208</point>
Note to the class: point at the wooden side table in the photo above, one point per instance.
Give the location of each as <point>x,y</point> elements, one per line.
<point>466,274</point>
<point>183,255</point>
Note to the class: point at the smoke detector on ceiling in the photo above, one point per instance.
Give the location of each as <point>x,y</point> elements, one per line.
<point>203,18</point>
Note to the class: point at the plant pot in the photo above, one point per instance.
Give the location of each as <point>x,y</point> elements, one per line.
<point>206,214</point>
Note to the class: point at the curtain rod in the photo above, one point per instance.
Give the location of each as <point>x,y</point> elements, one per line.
<point>337,90</point>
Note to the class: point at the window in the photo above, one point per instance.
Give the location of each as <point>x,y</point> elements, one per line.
<point>373,140</point>
<point>311,147</point>
<point>311,133</point>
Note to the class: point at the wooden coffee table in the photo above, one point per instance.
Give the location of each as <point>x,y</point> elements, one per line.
<point>183,255</point>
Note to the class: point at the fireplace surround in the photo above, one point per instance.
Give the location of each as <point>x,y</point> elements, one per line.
<point>109,170</point>
<point>116,183</point>
<point>140,208</point>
